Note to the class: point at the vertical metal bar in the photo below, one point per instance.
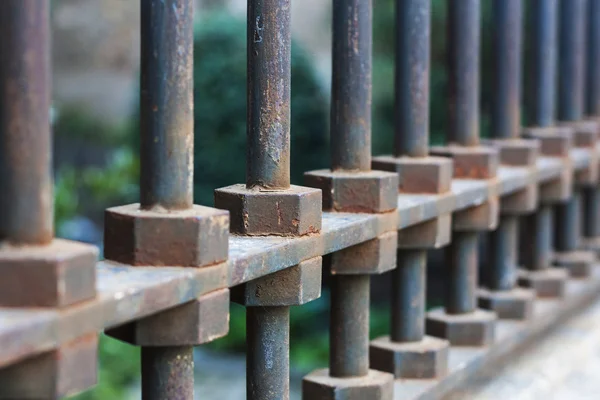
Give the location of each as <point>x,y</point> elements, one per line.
<point>269,77</point>
<point>408,296</point>
<point>571,62</point>
<point>568,229</point>
<point>591,207</point>
<point>462,273</point>
<point>541,104</point>
<point>506,65</point>
<point>167,372</point>
<point>349,326</point>
<point>538,228</point>
<point>268,359</point>
<point>502,270</point>
<point>463,71</point>
<point>351,85</point>
<point>592,85</point>
<point>413,36</point>
<point>166,104</point>
<point>26,203</point>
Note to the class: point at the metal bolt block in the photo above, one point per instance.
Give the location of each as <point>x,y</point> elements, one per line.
<point>591,244</point>
<point>292,286</point>
<point>195,237</point>
<point>197,322</point>
<point>418,175</point>
<point>560,189</point>
<point>372,257</point>
<point>292,212</point>
<point>471,329</point>
<point>483,217</point>
<point>68,370</point>
<point>425,359</point>
<point>578,263</point>
<point>431,234</point>
<point>368,192</point>
<point>555,141</point>
<point>508,304</point>
<point>522,202</point>
<point>549,282</point>
<point>585,135</point>
<point>516,152</point>
<point>376,385</point>
<point>470,162</point>
<point>59,274</point>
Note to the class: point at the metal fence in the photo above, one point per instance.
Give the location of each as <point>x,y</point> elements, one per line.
<point>171,266</point>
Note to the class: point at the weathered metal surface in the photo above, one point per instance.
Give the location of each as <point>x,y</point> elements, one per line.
<point>432,234</point>
<point>476,328</point>
<point>418,174</point>
<point>501,269</point>
<point>592,80</point>
<point>192,237</point>
<point>26,215</point>
<point>166,104</point>
<point>321,385</point>
<point>351,85</point>
<point>461,257</point>
<point>197,322</point>
<point>522,202</point>
<point>426,358</point>
<point>591,222</point>
<point>59,274</point>
<point>368,192</point>
<point>167,372</point>
<point>568,225</point>
<point>293,286</point>
<point>373,257</point>
<point>413,36</point>
<point>463,71</point>
<point>482,217</point>
<point>408,297</point>
<point>516,152</point>
<point>267,358</point>
<point>514,303</point>
<point>547,283</point>
<point>538,229</point>
<point>295,211</point>
<point>349,326</point>
<point>579,263</point>
<point>506,68</point>
<point>269,79</point>
<point>471,162</point>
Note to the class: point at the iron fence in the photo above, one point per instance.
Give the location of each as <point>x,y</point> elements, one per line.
<point>171,267</point>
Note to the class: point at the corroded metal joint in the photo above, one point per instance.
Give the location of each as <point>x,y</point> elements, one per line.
<point>555,142</point>
<point>369,258</point>
<point>194,323</point>
<point>418,175</point>
<point>585,136</point>
<point>295,211</point>
<point>476,328</point>
<point>375,385</point>
<point>194,237</point>
<point>579,263</point>
<point>516,303</point>
<point>59,274</point>
<point>548,282</point>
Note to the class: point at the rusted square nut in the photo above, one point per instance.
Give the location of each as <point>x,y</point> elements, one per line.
<point>425,359</point>
<point>585,135</point>
<point>376,385</point>
<point>471,329</point>
<point>549,282</point>
<point>431,234</point>
<point>521,202</point>
<point>59,274</point>
<point>66,371</point>
<point>292,286</point>
<point>476,162</point>
<point>373,257</point>
<point>367,192</point>
<point>555,141</point>
<point>483,217</point>
<point>195,237</point>
<point>418,174</point>
<point>508,304</point>
<point>197,322</point>
<point>292,212</point>
<point>560,189</point>
<point>516,152</point>
<point>578,263</point>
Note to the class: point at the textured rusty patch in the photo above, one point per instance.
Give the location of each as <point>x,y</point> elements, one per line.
<point>432,234</point>
<point>514,304</point>
<point>516,152</point>
<point>521,202</point>
<point>373,257</point>
<point>374,385</point>
<point>418,174</point>
<point>470,329</point>
<point>471,162</point>
<point>555,141</point>
<point>483,217</point>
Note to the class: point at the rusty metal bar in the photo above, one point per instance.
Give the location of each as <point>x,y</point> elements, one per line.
<point>592,85</point>
<point>408,296</point>
<point>541,99</point>
<point>166,104</point>
<point>502,270</point>
<point>538,228</point>
<point>591,211</point>
<point>568,227</point>
<point>413,36</point>
<point>349,326</point>
<point>462,273</point>
<point>351,85</point>
<point>269,77</point>
<point>506,68</point>
<point>268,343</point>
<point>162,369</point>
<point>26,203</point>
<point>463,71</point>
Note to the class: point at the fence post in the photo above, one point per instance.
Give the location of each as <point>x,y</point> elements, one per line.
<point>460,321</point>
<point>166,228</point>
<point>36,270</point>
<point>351,186</point>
